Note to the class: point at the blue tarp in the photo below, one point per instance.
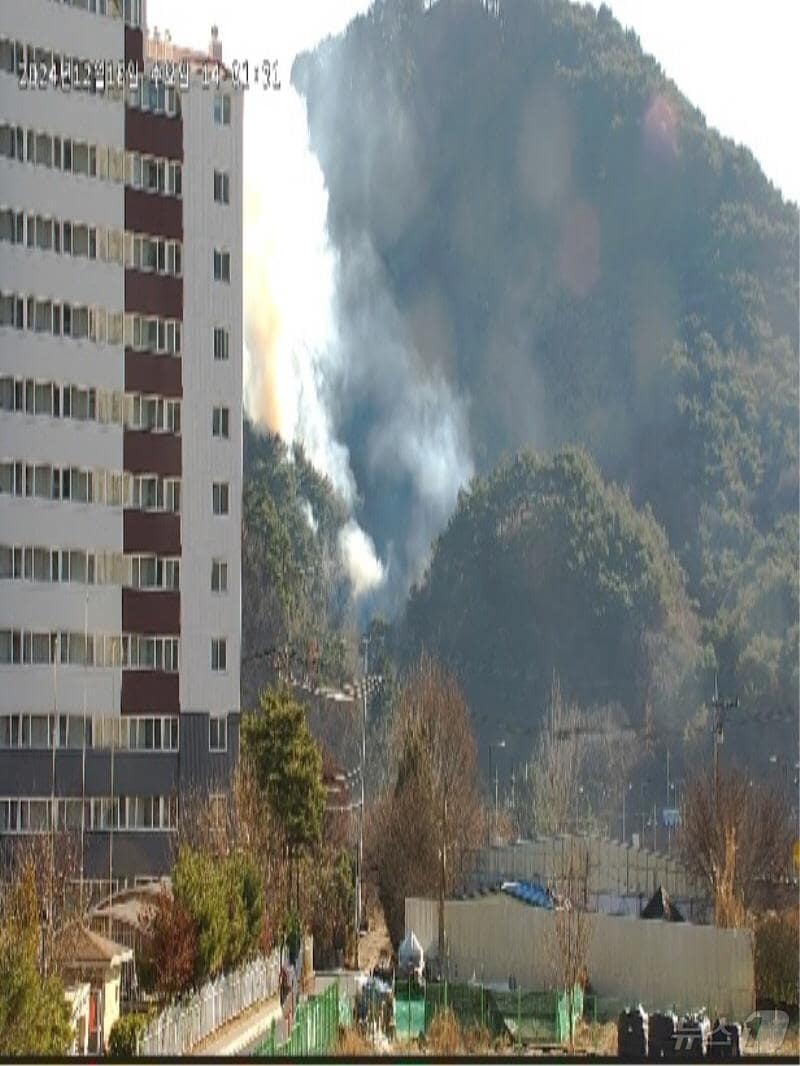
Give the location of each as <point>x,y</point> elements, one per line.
<point>529,892</point>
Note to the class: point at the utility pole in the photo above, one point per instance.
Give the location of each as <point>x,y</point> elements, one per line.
<point>489,827</point>
<point>668,806</point>
<point>624,790</point>
<point>720,706</point>
<point>360,874</point>
<point>495,798</point>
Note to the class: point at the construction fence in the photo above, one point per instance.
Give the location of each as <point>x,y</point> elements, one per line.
<point>494,938</point>
<point>314,1030</point>
<point>524,1017</point>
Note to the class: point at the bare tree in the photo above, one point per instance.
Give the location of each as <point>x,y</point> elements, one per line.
<point>578,756</point>
<point>434,734</point>
<point>53,861</point>
<point>736,838</point>
<point>567,944</point>
<point>432,815</point>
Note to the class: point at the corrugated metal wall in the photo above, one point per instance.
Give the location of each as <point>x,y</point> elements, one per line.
<point>660,964</point>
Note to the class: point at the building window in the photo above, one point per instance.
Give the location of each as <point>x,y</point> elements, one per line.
<point>219,493</point>
<point>154,174</point>
<point>221,342</point>
<point>133,12</point>
<point>220,422</point>
<point>219,655</point>
<point>221,187</point>
<point>222,109</point>
<point>222,265</point>
<point>217,734</point>
<point>219,576</point>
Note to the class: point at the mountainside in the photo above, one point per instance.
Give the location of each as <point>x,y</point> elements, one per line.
<point>583,261</point>
<point>543,568</point>
<point>296,610</point>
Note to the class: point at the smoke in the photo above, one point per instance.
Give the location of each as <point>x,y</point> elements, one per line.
<point>308,514</point>
<point>332,365</point>
<point>290,333</point>
<point>358,555</point>
<point>414,434</point>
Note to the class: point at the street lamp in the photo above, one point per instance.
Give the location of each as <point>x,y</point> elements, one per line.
<point>625,790</point>
<point>494,744</point>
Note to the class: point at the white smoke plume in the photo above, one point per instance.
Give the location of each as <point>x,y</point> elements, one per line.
<point>323,340</point>
<point>308,514</point>
<point>361,562</point>
<point>294,365</point>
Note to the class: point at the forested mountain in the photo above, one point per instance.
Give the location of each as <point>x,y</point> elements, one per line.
<point>296,611</point>
<point>585,262</point>
<point>544,568</point>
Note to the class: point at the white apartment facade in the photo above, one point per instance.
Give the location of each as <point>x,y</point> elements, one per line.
<point>120,430</point>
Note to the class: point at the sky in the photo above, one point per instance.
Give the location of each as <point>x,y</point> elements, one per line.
<point>736,61</point>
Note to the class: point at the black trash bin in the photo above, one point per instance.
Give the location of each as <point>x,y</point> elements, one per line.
<point>692,1038</point>
<point>725,1042</point>
<point>661,1035</point>
<point>632,1034</point>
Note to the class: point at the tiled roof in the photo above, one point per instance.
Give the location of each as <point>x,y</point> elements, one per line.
<point>80,946</point>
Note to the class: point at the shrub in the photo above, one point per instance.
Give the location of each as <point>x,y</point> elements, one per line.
<point>444,1034</point>
<point>198,884</point>
<point>245,900</point>
<point>167,961</point>
<point>353,1043</point>
<point>777,951</point>
<point>126,1032</point>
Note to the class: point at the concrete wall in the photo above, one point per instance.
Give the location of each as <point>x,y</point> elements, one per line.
<point>659,964</point>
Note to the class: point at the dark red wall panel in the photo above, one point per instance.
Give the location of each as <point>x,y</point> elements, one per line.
<point>150,212</point>
<point>158,375</point>
<point>150,692</point>
<point>153,294</point>
<point>134,46</point>
<point>153,134</point>
<point>155,611</point>
<point>144,531</point>
<point>151,453</point>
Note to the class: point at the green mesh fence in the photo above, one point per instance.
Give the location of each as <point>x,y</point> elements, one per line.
<point>314,1029</point>
<point>409,1015</point>
<point>525,1017</point>
<point>473,1006</point>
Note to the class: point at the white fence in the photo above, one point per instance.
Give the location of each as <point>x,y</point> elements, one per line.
<point>182,1026</point>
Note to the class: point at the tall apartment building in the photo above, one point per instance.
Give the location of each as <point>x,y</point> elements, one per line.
<point>120,432</point>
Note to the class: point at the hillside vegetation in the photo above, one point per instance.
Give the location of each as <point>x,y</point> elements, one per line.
<point>296,611</point>
<point>587,263</point>
<point>544,568</point>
